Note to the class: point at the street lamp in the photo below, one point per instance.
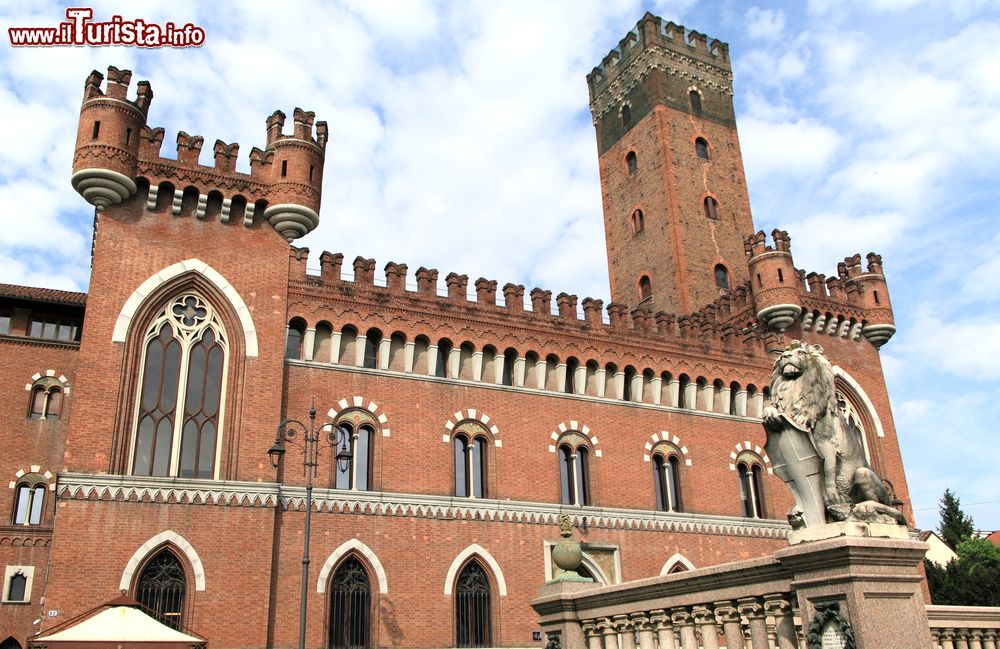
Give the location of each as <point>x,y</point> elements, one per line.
<point>288,430</point>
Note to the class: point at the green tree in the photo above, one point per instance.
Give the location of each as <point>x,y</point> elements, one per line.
<point>972,579</point>
<point>955,526</point>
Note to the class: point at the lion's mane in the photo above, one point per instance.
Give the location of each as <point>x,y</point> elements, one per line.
<point>808,398</point>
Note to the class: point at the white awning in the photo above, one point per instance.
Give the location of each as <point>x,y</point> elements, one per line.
<point>120,624</point>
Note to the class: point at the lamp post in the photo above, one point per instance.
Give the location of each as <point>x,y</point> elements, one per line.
<point>288,430</point>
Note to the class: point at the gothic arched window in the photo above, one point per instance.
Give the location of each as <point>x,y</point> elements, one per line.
<point>350,606</point>
<point>178,427</point>
<point>721,276</point>
<point>473,624</point>
<point>161,588</point>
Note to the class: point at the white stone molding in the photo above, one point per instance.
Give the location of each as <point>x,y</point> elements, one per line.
<point>34,469</point>
<point>748,447</point>
<point>479,551</point>
<point>228,493</point>
<point>665,437</point>
<point>673,561</point>
<point>353,545</point>
<point>472,415</point>
<point>860,394</point>
<point>362,404</point>
<point>149,286</point>
<point>48,374</point>
<point>163,538</point>
<point>573,426</point>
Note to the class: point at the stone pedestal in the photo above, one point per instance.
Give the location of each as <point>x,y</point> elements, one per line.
<point>875,581</point>
<point>560,621</point>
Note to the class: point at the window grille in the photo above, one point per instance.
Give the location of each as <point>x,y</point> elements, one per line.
<point>350,606</point>
<point>160,590</point>
<point>473,626</point>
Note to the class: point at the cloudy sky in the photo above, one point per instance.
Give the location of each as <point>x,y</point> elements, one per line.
<point>461,140</point>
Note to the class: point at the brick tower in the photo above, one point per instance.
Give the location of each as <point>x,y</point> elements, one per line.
<point>676,211</point>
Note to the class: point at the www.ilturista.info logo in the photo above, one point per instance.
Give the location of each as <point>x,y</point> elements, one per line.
<point>80,29</point>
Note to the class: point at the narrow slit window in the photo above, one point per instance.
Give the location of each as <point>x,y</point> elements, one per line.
<point>711,207</point>
<point>284,168</point>
<point>128,136</point>
<point>626,115</point>
<point>701,148</point>
<point>695,98</point>
<point>97,130</point>
<point>632,163</point>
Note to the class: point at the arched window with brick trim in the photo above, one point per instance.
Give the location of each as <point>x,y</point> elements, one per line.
<point>637,221</point>
<point>694,97</point>
<point>631,162</point>
<point>29,500</point>
<point>701,148</point>
<point>666,478</point>
<point>46,399</point>
<point>178,424</point>
<point>750,472</point>
<point>711,208</point>
<point>293,339</point>
<point>357,430</point>
<point>721,277</point>
<point>645,288</point>
<point>574,471</point>
<point>470,444</point>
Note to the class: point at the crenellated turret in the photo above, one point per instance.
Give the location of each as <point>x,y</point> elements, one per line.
<point>107,139</point>
<point>873,295</point>
<point>773,278</point>
<point>115,148</point>
<point>296,173</point>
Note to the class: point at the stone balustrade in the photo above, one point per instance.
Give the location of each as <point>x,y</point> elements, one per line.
<point>964,627</point>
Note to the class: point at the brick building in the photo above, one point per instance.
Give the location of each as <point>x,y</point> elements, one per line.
<point>138,417</point>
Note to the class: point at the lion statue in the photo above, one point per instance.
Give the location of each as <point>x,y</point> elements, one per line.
<point>803,397</point>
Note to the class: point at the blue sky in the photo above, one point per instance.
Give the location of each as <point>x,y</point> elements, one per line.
<point>461,140</point>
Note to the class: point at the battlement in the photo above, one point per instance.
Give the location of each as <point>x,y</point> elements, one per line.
<point>667,45</point>
<point>116,147</point>
<point>709,328</point>
<point>117,89</point>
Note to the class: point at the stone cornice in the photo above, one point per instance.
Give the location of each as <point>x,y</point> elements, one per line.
<point>40,342</point>
<point>77,486</point>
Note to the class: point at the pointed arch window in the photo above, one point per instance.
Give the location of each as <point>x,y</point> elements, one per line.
<point>161,589</point>
<point>350,606</point>
<point>473,601</point>
<point>178,427</point>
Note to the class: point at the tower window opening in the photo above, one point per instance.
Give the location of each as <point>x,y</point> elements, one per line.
<point>626,115</point>
<point>721,277</point>
<point>284,168</point>
<point>781,276</point>
<point>312,169</point>
<point>632,163</point>
<point>711,208</point>
<point>638,222</point>
<point>645,288</point>
<point>760,282</point>
<point>97,130</point>
<point>695,97</point>
<point>128,136</point>
<point>875,294</point>
<point>701,148</point>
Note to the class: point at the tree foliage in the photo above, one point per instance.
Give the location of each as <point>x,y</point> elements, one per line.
<point>973,578</point>
<point>955,526</point>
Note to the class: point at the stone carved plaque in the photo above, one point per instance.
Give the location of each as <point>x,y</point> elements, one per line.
<point>832,637</point>
<point>829,629</point>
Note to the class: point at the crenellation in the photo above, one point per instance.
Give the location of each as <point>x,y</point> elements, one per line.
<point>189,148</point>
<point>118,82</point>
<point>593,311</point>
<point>874,263</point>
<point>226,156</point>
<point>486,291</point>
<point>817,284</point>
<point>541,301</point>
<point>330,265</point>
<point>457,287</point>
<point>566,304</point>
<point>853,265</point>
<point>427,281</point>
<point>666,324</point>
<point>150,142</point>
<point>395,277</point>
<point>274,123</point>
<point>835,289</point>
<point>641,321</point>
<point>364,272</point>
<point>616,315</point>
<point>697,40</point>
<point>513,296</point>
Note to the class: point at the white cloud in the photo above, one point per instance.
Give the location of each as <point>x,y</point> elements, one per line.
<point>796,147</point>
<point>765,24</point>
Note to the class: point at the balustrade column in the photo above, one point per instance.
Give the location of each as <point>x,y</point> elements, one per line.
<point>626,633</point>
<point>664,630</point>
<point>682,620</point>
<point>989,639</point>
<point>593,634</point>
<point>947,639</point>
<point>729,618</point>
<point>961,639</point>
<point>754,612</point>
<point>609,632</point>
<point>975,639</point>
<point>778,607</point>
<point>641,623</point>
<point>705,619</point>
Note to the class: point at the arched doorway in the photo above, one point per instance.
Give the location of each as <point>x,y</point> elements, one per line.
<point>473,623</point>
<point>161,588</point>
<point>350,606</point>
<point>10,643</point>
